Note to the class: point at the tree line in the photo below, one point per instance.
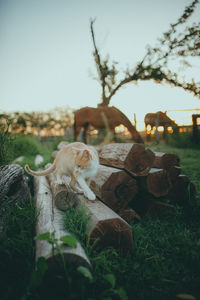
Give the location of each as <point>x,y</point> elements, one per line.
<point>54,122</point>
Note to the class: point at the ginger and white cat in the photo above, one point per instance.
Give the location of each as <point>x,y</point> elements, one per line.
<point>77,160</point>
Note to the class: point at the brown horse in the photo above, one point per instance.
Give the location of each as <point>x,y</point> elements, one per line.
<point>159,119</point>
<point>93,116</point>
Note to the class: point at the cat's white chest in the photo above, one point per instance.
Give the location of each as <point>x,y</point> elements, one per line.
<point>91,171</point>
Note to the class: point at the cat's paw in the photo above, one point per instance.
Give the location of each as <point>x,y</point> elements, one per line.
<point>91,196</point>
<point>66,180</point>
<point>59,181</point>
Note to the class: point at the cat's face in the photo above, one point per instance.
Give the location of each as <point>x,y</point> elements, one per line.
<point>83,159</point>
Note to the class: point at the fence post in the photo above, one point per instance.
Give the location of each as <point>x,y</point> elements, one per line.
<point>194,127</point>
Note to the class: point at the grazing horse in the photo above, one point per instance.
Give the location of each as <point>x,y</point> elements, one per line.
<point>93,116</point>
<point>159,119</point>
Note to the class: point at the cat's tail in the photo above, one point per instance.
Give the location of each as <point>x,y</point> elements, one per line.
<point>41,173</point>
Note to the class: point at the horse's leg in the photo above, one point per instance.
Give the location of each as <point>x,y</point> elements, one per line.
<point>165,132</point>
<point>85,129</point>
<point>114,135</point>
<point>76,132</point>
<point>147,134</point>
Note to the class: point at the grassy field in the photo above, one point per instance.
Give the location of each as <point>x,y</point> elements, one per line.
<point>165,263</point>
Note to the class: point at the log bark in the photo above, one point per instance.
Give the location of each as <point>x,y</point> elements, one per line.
<point>64,197</point>
<point>183,190</point>
<point>129,215</point>
<point>155,207</point>
<point>133,157</point>
<point>13,183</point>
<point>173,172</point>
<point>50,220</point>
<point>146,204</point>
<point>114,187</point>
<point>157,182</point>
<point>105,228</point>
<point>165,160</point>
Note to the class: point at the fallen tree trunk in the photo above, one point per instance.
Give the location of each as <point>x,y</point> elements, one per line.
<point>133,157</point>
<point>157,182</point>
<point>114,187</point>
<point>13,183</point>
<point>50,220</point>
<point>105,228</point>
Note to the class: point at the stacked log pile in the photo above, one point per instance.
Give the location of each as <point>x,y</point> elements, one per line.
<point>132,181</point>
<point>157,175</point>
<point>105,228</point>
<point>132,177</point>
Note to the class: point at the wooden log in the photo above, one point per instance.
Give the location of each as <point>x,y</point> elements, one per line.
<point>182,191</point>
<point>157,182</point>
<point>165,160</point>
<point>105,228</point>
<point>173,172</point>
<point>133,157</point>
<point>146,204</point>
<point>129,215</point>
<point>64,197</point>
<point>155,207</point>
<point>114,187</point>
<point>13,183</point>
<point>50,220</point>
<point>169,162</point>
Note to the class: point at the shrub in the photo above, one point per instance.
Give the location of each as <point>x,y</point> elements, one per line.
<point>26,145</point>
<point>181,140</point>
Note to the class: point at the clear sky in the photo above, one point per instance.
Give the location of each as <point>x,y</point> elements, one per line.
<point>46,53</point>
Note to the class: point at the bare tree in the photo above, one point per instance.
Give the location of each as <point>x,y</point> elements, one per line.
<point>181,40</point>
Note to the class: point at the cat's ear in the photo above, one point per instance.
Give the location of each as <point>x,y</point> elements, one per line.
<point>85,155</point>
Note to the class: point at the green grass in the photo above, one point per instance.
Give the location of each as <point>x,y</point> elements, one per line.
<point>16,247</point>
<point>165,263</point>
<point>189,161</point>
<point>166,260</point>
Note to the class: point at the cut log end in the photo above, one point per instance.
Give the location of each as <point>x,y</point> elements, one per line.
<point>165,160</point>
<point>114,187</point>
<point>129,215</point>
<point>71,259</point>
<point>157,182</point>
<point>112,233</point>
<point>139,161</point>
<point>65,200</point>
